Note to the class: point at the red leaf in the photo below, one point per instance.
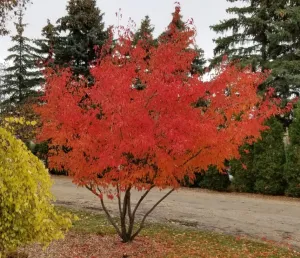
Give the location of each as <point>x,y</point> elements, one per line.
<point>117,134</point>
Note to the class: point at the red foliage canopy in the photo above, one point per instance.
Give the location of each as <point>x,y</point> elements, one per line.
<point>113,132</point>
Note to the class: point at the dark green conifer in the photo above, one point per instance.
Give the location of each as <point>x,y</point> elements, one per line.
<point>292,166</point>
<point>84,37</point>
<point>242,170</point>
<point>44,49</point>
<point>145,32</point>
<point>269,160</point>
<point>22,78</point>
<point>265,35</point>
<point>177,24</point>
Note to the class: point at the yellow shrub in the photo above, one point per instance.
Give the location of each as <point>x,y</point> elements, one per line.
<point>27,214</point>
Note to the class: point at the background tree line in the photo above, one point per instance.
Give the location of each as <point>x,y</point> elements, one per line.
<point>263,34</point>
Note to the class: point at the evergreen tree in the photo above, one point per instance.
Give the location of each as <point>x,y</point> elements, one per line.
<point>248,40</point>
<point>2,73</point>
<point>265,35</point>
<point>145,32</point>
<point>242,170</point>
<point>269,160</point>
<point>177,24</point>
<point>285,50</point>
<point>260,168</point>
<point>45,47</point>
<point>144,36</point>
<point>214,180</point>
<point>198,65</point>
<point>6,6</point>
<point>85,30</point>
<point>292,166</point>
<point>22,77</point>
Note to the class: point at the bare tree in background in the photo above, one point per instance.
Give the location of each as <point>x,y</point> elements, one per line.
<point>6,10</point>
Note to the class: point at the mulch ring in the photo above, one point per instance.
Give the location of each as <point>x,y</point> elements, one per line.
<point>82,245</point>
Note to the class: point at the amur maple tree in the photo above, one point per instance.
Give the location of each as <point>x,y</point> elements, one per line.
<point>113,137</point>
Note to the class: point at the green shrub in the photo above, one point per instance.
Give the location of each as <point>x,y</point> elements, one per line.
<point>269,160</point>
<point>292,166</point>
<point>27,213</point>
<point>292,171</point>
<point>214,180</point>
<point>260,168</point>
<point>195,183</point>
<point>41,151</point>
<point>241,170</point>
<point>58,172</point>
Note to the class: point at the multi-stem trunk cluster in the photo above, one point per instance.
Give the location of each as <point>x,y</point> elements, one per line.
<point>126,228</point>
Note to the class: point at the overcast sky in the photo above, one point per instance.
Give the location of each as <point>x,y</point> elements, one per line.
<point>204,13</point>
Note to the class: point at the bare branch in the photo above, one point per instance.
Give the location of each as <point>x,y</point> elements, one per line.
<point>125,202</point>
<point>129,205</point>
<point>147,214</point>
<point>110,218</point>
<point>124,212</point>
<point>119,199</point>
<point>149,99</point>
<point>141,199</point>
<point>192,157</point>
<point>106,210</point>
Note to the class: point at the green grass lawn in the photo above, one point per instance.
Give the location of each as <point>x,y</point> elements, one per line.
<point>158,240</point>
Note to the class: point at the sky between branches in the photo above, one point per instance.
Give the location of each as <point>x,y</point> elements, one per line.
<point>204,13</point>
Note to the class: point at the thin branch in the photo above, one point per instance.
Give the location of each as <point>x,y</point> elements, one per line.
<point>141,199</point>
<point>151,97</point>
<point>110,218</point>
<point>129,205</point>
<point>124,212</point>
<point>147,214</point>
<point>106,211</point>
<point>119,199</point>
<point>192,157</point>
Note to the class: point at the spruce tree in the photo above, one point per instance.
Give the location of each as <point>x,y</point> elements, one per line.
<point>265,35</point>
<point>145,32</point>
<point>285,50</point>
<point>292,171</point>
<point>44,49</point>
<point>260,168</point>
<point>22,77</point>
<point>3,66</point>
<point>269,160</point>
<point>144,36</point>
<point>248,40</point>
<point>2,73</point>
<point>198,64</point>
<point>6,7</point>
<point>84,30</point>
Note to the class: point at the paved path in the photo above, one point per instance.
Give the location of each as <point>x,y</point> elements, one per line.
<point>238,214</point>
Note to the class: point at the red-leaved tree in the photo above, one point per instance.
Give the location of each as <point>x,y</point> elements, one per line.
<point>115,135</point>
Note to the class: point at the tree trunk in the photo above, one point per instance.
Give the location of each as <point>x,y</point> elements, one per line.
<point>127,216</point>
<point>127,228</point>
